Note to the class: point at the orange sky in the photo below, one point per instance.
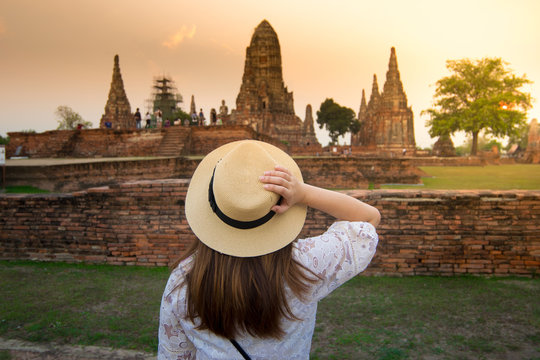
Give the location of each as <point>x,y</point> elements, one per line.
<point>60,52</point>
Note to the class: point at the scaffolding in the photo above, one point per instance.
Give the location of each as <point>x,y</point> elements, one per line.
<point>165,97</point>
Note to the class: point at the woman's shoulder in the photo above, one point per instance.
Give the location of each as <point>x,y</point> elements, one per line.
<point>178,275</point>
<point>340,230</point>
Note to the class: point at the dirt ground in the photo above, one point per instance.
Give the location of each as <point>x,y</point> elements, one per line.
<point>23,350</point>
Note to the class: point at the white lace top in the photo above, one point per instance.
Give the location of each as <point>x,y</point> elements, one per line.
<point>339,254</point>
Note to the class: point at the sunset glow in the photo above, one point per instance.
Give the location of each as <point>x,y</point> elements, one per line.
<point>60,52</point>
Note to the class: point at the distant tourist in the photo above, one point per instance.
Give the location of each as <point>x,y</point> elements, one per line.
<point>148,119</point>
<point>108,124</point>
<point>79,126</point>
<point>213,116</point>
<point>159,117</point>
<point>138,119</point>
<point>167,123</point>
<point>201,118</point>
<point>194,119</point>
<point>404,152</point>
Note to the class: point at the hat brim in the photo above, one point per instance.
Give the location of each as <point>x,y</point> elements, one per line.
<point>279,231</point>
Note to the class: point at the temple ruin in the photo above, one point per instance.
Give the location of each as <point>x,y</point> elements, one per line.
<point>117,110</point>
<point>532,154</point>
<point>264,103</point>
<point>444,146</point>
<point>387,121</point>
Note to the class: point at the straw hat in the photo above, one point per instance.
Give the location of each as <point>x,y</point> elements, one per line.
<point>229,210</point>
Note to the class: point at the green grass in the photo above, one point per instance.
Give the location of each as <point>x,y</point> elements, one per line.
<point>430,317</point>
<point>81,304</point>
<point>24,190</point>
<point>368,318</point>
<point>493,177</point>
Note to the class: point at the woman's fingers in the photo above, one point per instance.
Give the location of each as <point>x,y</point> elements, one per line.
<point>280,177</point>
<point>278,209</point>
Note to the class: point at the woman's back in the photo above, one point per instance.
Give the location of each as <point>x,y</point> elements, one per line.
<point>335,256</point>
<point>246,278</point>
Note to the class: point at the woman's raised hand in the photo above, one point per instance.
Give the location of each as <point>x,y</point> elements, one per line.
<point>282,182</point>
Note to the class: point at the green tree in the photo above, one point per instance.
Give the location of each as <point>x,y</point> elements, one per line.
<point>4,140</point>
<point>181,114</point>
<point>479,95</point>
<point>521,138</point>
<point>337,119</point>
<point>69,119</point>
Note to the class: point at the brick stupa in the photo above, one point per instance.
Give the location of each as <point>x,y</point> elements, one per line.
<point>444,147</point>
<point>532,154</point>
<point>387,121</point>
<point>264,102</point>
<point>117,109</point>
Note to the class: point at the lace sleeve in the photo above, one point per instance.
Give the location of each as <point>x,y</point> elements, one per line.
<point>173,342</point>
<point>339,254</point>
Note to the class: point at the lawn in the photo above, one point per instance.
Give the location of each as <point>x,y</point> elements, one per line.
<point>493,177</point>
<point>23,190</point>
<point>368,318</point>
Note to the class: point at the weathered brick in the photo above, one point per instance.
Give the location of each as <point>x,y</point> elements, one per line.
<point>417,235</point>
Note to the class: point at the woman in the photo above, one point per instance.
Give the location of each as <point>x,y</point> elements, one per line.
<point>246,289</point>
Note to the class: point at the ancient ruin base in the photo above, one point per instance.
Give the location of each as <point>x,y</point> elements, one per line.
<point>143,223</point>
<point>328,172</point>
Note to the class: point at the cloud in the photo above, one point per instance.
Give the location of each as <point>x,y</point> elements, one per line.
<point>180,36</point>
<point>228,48</point>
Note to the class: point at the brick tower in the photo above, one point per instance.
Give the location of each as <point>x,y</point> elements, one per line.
<point>264,102</point>
<point>388,122</point>
<point>117,109</point>
<point>362,114</point>
<point>308,132</point>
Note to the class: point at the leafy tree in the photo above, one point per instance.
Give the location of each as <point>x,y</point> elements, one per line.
<point>69,119</point>
<point>488,146</point>
<point>521,138</point>
<point>337,119</point>
<point>479,95</point>
<point>355,126</point>
<point>181,114</point>
<point>4,140</point>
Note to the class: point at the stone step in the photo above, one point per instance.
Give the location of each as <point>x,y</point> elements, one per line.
<point>173,141</point>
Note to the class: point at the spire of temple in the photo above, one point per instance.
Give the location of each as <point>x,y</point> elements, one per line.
<point>363,107</point>
<point>264,102</point>
<point>117,109</point>
<point>375,96</point>
<point>308,121</point>
<point>393,95</point>
<point>192,107</point>
<point>263,89</point>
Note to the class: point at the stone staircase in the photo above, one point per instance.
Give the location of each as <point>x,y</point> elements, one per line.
<point>174,141</point>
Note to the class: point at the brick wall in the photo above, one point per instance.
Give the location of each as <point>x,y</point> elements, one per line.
<point>86,143</point>
<point>91,143</point>
<point>332,172</point>
<point>207,138</point>
<point>143,223</point>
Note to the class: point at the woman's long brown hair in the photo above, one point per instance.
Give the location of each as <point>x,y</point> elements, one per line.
<point>231,294</point>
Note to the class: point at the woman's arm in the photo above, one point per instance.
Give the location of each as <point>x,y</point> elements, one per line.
<point>338,205</point>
